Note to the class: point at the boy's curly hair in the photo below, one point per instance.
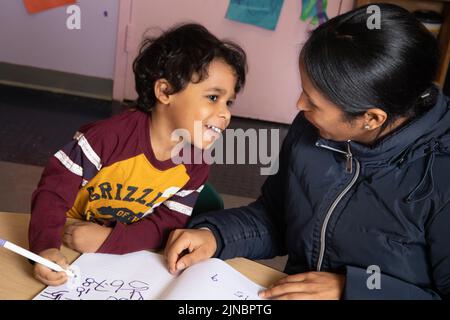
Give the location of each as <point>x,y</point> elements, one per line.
<point>178,54</point>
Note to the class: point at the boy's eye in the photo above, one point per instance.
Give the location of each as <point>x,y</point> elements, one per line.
<point>213,98</point>
<point>230,103</point>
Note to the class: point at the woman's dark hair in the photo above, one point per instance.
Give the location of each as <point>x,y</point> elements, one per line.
<point>357,68</point>
<point>177,55</point>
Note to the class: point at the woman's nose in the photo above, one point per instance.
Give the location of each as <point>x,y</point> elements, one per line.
<point>301,105</point>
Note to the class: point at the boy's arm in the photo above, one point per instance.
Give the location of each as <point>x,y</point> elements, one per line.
<point>148,233</point>
<point>51,200</point>
<point>78,161</point>
<point>152,231</point>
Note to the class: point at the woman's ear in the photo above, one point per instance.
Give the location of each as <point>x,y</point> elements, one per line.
<point>374,118</point>
<point>162,89</point>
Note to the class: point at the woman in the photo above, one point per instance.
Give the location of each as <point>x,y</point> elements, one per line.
<point>363,184</point>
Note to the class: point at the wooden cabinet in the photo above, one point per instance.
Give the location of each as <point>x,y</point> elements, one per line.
<point>441,6</point>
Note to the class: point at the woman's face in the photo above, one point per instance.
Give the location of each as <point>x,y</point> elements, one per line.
<point>328,118</point>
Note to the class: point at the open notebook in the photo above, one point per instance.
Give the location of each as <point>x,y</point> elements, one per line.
<point>143,275</point>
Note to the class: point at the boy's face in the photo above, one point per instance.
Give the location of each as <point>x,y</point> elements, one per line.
<point>203,108</point>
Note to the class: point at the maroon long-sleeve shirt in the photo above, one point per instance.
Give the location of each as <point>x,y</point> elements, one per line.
<point>109,174</point>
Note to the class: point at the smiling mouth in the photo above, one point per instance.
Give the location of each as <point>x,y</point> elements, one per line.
<point>215,129</point>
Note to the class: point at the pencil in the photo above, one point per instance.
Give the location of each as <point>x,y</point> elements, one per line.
<point>32,256</point>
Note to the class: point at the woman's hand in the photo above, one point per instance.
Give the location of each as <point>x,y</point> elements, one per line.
<point>47,275</point>
<point>188,246</point>
<point>307,286</point>
<point>85,236</point>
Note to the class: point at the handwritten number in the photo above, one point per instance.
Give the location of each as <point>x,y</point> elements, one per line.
<point>57,295</point>
<point>215,277</point>
<point>118,284</point>
<point>114,290</point>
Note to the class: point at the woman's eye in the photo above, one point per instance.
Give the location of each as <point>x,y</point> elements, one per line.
<point>213,98</point>
<point>312,105</point>
<point>230,103</point>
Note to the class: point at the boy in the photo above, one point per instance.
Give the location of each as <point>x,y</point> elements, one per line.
<point>117,175</point>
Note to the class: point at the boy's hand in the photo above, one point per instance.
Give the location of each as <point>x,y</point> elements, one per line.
<point>48,276</point>
<point>188,246</point>
<point>307,286</point>
<point>85,236</point>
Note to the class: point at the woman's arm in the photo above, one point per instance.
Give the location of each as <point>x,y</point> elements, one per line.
<point>256,230</point>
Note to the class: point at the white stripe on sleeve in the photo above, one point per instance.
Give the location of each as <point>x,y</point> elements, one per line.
<point>68,163</point>
<point>176,206</point>
<point>184,193</point>
<point>88,151</point>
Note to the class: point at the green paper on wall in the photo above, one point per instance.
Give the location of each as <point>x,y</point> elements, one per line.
<point>261,13</point>
<point>316,10</point>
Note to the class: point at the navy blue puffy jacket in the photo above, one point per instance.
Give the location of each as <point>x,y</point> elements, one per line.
<point>342,207</point>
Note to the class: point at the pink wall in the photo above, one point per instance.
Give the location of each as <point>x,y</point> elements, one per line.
<point>273,84</point>
<point>42,40</point>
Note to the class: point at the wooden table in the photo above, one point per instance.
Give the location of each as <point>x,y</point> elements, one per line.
<point>17,282</point>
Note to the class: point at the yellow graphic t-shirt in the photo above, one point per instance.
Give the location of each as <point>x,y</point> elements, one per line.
<point>109,175</point>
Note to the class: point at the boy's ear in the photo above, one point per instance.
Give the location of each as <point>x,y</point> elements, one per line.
<point>162,89</point>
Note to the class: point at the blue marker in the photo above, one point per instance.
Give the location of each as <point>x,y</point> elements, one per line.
<point>30,255</point>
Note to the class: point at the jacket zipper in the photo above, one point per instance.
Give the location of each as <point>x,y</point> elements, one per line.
<point>349,168</point>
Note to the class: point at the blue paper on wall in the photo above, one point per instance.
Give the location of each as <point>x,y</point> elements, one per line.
<point>261,13</point>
